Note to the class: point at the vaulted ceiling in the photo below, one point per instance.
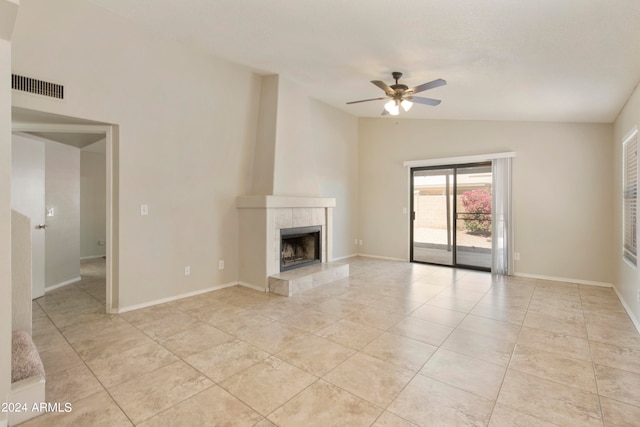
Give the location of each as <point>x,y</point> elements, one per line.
<point>533,60</point>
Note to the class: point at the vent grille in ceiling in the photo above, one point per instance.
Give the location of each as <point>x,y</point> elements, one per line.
<point>39,87</point>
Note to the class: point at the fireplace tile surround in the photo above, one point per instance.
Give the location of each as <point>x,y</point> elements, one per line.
<point>261,219</point>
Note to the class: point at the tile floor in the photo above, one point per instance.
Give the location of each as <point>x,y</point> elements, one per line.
<point>396,344</point>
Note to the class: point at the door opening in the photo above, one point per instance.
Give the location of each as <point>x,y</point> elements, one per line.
<point>106,132</point>
<point>451,215</point>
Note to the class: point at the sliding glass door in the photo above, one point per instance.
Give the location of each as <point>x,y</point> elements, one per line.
<point>451,215</point>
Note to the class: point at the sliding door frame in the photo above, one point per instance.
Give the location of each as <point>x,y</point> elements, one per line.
<point>451,216</point>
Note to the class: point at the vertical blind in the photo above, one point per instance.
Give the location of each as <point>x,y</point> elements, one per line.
<point>501,226</point>
<point>630,197</point>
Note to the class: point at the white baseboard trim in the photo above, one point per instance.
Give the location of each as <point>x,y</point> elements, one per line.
<point>83,258</point>
<point>174,298</point>
<point>635,321</point>
<point>564,279</point>
<point>254,287</point>
<point>3,420</point>
<point>61,284</point>
<point>344,257</point>
<point>383,257</point>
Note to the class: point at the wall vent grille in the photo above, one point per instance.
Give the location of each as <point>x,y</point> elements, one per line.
<point>39,87</point>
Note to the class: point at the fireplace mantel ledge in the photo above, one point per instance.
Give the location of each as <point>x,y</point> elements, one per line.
<point>268,202</point>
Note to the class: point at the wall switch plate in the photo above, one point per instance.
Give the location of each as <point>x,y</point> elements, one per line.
<point>187,270</point>
<point>360,242</point>
<point>144,210</point>
<point>101,243</point>
<point>51,211</point>
<point>221,265</point>
<point>404,211</point>
<point>516,256</point>
<point>356,241</point>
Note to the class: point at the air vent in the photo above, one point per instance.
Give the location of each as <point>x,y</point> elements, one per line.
<point>39,87</point>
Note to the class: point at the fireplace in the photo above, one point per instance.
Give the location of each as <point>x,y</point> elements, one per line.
<point>300,246</point>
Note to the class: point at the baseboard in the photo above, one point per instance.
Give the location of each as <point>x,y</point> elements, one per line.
<point>564,279</point>
<point>84,258</point>
<point>61,284</point>
<point>635,321</point>
<point>174,298</point>
<point>344,257</point>
<point>254,287</point>
<point>3,419</point>
<point>383,257</point>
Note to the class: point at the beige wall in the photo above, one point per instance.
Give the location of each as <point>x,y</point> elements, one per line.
<point>316,155</point>
<point>265,147</point>
<point>21,300</point>
<point>93,184</point>
<point>8,9</point>
<point>562,182</point>
<point>626,277</point>
<point>186,126</point>
<point>5,223</point>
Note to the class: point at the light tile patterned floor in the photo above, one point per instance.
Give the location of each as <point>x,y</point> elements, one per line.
<point>396,344</point>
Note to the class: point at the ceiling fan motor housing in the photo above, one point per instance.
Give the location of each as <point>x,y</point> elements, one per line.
<point>398,88</point>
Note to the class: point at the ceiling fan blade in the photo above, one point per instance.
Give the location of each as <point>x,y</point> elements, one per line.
<point>385,87</point>
<point>367,100</point>
<point>426,86</point>
<point>384,112</point>
<point>426,101</point>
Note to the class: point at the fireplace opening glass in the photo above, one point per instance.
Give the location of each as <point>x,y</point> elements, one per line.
<point>299,247</point>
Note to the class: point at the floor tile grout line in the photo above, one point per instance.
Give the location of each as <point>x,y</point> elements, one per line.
<point>105,389</point>
<point>405,315</point>
<point>593,363</point>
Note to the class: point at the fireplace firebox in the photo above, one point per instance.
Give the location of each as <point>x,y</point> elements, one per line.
<point>300,246</point>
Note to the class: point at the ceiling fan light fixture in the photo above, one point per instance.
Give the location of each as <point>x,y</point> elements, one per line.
<point>401,95</point>
<point>392,107</point>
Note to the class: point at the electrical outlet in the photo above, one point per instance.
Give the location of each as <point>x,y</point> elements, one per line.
<point>516,256</point>
<point>101,243</point>
<point>187,270</point>
<point>144,210</point>
<point>221,265</point>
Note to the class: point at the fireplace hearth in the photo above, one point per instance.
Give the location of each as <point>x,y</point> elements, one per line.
<point>300,246</point>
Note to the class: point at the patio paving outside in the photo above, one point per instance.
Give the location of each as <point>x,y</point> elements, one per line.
<point>468,245</point>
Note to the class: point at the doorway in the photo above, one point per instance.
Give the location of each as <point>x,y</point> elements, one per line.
<point>451,215</point>
<point>73,131</point>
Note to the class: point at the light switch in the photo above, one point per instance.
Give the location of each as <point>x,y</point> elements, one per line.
<point>144,209</point>
<point>50,211</point>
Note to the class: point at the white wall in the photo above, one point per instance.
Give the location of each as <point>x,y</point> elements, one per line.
<point>186,126</point>
<point>8,9</point>
<point>62,194</point>
<point>93,185</point>
<point>627,281</point>
<point>562,182</point>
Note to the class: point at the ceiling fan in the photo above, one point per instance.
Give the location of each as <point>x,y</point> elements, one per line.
<point>401,95</point>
